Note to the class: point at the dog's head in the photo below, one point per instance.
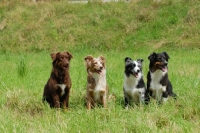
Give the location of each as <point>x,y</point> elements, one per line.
<point>158,61</point>
<point>133,67</point>
<point>61,60</point>
<point>95,65</point>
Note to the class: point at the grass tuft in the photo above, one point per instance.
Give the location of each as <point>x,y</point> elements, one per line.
<point>21,67</point>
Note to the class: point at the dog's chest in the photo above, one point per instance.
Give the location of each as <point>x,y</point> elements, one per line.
<point>100,81</point>
<point>155,85</point>
<point>62,87</point>
<point>130,85</point>
<point>155,80</point>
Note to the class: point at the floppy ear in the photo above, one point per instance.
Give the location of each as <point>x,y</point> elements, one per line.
<point>53,55</point>
<point>152,56</point>
<point>88,59</point>
<point>70,55</point>
<point>166,55</point>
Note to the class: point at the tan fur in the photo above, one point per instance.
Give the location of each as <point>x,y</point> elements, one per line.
<point>97,89</point>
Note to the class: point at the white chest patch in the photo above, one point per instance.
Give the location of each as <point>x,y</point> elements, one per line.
<point>130,83</point>
<point>100,80</point>
<point>62,86</point>
<point>155,86</point>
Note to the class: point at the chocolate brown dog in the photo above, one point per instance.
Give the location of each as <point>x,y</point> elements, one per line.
<point>57,89</point>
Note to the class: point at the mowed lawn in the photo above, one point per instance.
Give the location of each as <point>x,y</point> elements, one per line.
<point>24,75</point>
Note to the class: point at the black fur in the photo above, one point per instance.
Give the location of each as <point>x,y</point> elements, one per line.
<point>134,86</point>
<point>159,62</point>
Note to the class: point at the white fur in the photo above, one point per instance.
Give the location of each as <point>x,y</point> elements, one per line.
<point>130,83</point>
<point>98,65</point>
<point>100,80</point>
<point>62,86</point>
<point>136,68</point>
<point>155,86</point>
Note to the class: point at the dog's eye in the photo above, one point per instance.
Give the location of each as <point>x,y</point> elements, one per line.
<point>159,58</point>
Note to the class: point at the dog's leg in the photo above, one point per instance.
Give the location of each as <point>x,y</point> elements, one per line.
<point>170,92</point>
<point>56,101</point>
<point>103,98</point>
<point>66,101</point>
<point>147,97</point>
<point>142,97</point>
<point>164,96</point>
<point>90,101</point>
<point>126,100</point>
<point>148,92</point>
<point>88,104</point>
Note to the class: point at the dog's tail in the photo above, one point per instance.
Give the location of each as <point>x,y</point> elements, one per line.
<point>112,97</point>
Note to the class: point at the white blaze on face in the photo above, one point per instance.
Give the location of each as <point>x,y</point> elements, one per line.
<point>98,66</point>
<point>136,69</point>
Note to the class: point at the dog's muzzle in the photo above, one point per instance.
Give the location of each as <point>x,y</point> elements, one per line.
<point>162,66</point>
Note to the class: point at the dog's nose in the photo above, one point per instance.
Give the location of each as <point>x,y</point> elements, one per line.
<point>165,63</point>
<point>101,67</point>
<point>138,71</point>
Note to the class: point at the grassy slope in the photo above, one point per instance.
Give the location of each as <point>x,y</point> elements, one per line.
<point>115,30</point>
<point>56,25</point>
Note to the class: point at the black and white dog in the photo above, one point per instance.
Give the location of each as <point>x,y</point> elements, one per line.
<point>158,85</point>
<point>134,86</point>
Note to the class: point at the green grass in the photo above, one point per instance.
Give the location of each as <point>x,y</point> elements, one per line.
<point>30,32</point>
<point>23,111</point>
<point>58,25</point>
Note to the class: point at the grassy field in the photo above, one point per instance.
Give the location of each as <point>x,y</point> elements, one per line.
<point>29,32</point>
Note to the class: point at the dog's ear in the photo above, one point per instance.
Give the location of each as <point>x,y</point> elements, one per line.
<point>88,59</point>
<point>54,55</point>
<point>140,60</point>
<point>166,55</point>
<point>152,56</point>
<point>69,54</point>
<point>102,59</point>
<point>127,58</point>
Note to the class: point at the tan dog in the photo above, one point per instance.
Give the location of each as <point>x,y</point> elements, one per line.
<point>56,91</point>
<point>97,90</point>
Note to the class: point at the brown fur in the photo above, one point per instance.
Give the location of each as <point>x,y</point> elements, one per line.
<point>96,77</point>
<point>156,66</point>
<point>57,90</point>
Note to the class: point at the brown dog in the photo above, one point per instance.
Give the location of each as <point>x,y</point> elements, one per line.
<point>57,89</point>
<point>97,90</point>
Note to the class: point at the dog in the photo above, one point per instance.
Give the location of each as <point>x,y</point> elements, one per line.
<point>134,86</point>
<point>97,90</point>
<point>158,85</point>
<point>57,90</point>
